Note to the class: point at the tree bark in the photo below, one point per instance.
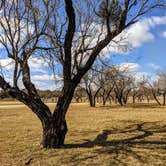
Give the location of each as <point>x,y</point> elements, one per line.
<point>55,129</point>
<point>155,97</point>
<point>164,100</point>
<point>133,99</point>
<point>54,133</point>
<point>104,102</point>
<point>92,100</point>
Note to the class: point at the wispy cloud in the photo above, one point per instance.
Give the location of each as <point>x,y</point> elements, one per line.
<point>35,64</point>
<point>140,32</point>
<point>141,76</point>
<point>38,65</point>
<point>129,67</point>
<point>6,64</point>
<point>164,34</point>
<point>137,35</point>
<point>153,66</point>
<point>47,85</point>
<point>46,77</point>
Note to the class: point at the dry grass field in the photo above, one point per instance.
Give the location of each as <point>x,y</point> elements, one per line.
<point>102,136</point>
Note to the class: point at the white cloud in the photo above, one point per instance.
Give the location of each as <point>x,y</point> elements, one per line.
<point>164,34</point>
<point>19,32</point>
<point>135,36</point>
<point>45,81</point>
<point>38,65</point>
<point>153,66</point>
<point>46,77</point>
<point>47,85</point>
<point>35,64</point>
<point>6,64</point>
<point>41,85</point>
<point>141,76</point>
<point>138,34</point>
<point>130,67</point>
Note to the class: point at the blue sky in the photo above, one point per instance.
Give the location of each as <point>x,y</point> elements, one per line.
<point>150,53</point>
<point>146,56</point>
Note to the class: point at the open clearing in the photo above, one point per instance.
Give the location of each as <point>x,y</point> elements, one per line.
<point>102,136</point>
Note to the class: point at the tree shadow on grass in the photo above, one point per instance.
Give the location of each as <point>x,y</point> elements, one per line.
<point>138,136</point>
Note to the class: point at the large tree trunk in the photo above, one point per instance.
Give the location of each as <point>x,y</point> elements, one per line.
<point>54,134</point>
<point>55,129</point>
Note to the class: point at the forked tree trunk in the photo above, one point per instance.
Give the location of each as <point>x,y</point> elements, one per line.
<point>55,128</point>
<point>54,134</point>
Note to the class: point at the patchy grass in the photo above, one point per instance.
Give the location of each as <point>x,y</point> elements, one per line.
<point>102,136</point>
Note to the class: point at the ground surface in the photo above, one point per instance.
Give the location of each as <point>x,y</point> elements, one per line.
<point>104,136</point>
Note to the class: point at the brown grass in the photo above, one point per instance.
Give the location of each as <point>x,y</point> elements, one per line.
<point>102,136</point>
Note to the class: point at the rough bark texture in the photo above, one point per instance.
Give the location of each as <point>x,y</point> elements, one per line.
<point>54,134</point>
<point>54,131</point>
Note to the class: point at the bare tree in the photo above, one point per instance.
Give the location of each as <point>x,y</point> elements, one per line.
<point>162,85</point>
<point>62,31</point>
<point>122,85</point>
<point>158,88</point>
<point>134,92</point>
<point>138,90</point>
<point>79,94</point>
<point>92,86</point>
<point>106,83</point>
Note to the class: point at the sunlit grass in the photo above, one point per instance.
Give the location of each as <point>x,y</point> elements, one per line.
<point>104,136</point>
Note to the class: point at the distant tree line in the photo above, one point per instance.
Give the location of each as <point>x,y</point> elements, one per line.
<point>120,86</point>
<point>112,85</point>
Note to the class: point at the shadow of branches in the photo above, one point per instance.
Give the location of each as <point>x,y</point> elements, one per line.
<point>139,135</point>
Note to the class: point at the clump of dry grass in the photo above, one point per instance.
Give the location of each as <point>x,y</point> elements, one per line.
<point>97,136</point>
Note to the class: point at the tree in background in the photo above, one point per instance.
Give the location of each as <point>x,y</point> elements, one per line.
<point>106,83</point>
<point>122,85</point>
<point>72,33</point>
<point>80,95</point>
<point>92,85</point>
<point>158,88</point>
